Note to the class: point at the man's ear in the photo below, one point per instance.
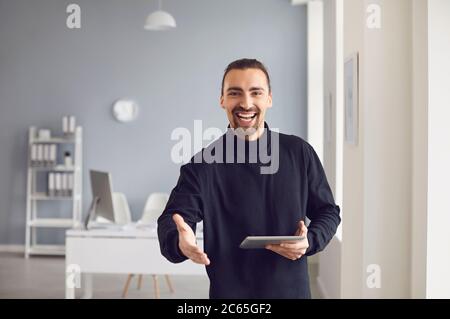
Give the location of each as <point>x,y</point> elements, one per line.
<point>221,102</point>
<point>270,99</point>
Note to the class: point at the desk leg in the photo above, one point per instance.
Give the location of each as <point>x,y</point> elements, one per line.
<point>70,283</point>
<point>70,292</point>
<point>87,286</point>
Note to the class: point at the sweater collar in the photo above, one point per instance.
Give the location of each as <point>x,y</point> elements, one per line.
<point>265,132</point>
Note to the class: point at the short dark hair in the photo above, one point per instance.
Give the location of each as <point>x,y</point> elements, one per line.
<point>244,64</point>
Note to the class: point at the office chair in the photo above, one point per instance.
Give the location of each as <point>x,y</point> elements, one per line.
<point>153,208</point>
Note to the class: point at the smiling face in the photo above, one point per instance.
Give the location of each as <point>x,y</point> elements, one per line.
<point>246,97</point>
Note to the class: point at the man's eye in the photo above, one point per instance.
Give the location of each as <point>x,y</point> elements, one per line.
<point>233,94</point>
<point>257,93</point>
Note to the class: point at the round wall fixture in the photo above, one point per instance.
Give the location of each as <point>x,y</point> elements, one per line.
<point>125,110</point>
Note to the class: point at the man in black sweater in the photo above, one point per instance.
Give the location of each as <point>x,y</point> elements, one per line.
<point>251,181</point>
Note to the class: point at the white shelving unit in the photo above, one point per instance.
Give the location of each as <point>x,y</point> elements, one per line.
<point>33,221</point>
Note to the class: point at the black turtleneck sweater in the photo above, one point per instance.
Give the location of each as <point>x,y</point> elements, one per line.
<point>238,194</point>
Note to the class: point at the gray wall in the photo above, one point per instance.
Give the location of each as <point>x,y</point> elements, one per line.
<point>47,71</point>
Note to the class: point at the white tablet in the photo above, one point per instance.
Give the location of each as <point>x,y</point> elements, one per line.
<point>251,242</point>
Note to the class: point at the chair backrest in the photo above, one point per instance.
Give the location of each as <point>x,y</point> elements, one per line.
<point>154,207</point>
<point>122,214</point>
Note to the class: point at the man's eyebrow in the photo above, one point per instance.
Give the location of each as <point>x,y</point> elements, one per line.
<point>234,88</point>
<point>256,88</point>
<point>253,88</point>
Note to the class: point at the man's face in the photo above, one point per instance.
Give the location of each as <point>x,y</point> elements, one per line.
<point>246,98</point>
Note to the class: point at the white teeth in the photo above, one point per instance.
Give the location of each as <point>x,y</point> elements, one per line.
<point>246,117</point>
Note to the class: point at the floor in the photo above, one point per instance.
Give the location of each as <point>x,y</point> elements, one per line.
<point>43,278</point>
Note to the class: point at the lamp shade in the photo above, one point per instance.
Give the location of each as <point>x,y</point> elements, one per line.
<point>160,20</point>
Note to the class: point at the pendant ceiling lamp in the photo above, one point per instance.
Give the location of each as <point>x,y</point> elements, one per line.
<point>160,20</point>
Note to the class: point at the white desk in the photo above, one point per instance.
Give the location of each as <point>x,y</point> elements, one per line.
<point>106,251</point>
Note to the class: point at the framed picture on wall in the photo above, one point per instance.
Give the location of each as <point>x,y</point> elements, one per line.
<point>351,86</point>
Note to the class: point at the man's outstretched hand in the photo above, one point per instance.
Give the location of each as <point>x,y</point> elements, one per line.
<point>187,242</point>
<point>293,250</point>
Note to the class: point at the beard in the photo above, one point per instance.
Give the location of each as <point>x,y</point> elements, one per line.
<point>245,124</point>
<point>246,119</point>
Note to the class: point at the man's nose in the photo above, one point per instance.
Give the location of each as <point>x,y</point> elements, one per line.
<point>247,102</point>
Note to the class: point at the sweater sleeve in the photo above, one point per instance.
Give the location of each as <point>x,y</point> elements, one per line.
<point>321,208</point>
<point>186,200</point>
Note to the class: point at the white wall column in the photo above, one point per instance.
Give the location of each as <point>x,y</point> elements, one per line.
<point>377,171</point>
<point>329,278</point>
<point>419,133</point>
<point>315,76</point>
<point>438,205</point>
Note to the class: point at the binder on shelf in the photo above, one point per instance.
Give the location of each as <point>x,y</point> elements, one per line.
<point>43,155</point>
<point>72,124</point>
<point>33,154</point>
<point>70,184</point>
<point>65,125</point>
<point>40,154</point>
<point>58,184</point>
<point>64,188</point>
<point>53,154</point>
<point>68,125</point>
<point>51,184</point>
<point>46,155</point>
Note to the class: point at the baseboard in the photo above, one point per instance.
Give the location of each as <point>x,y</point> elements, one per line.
<point>322,288</point>
<point>12,249</point>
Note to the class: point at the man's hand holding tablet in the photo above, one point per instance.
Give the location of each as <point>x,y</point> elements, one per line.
<point>291,247</point>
